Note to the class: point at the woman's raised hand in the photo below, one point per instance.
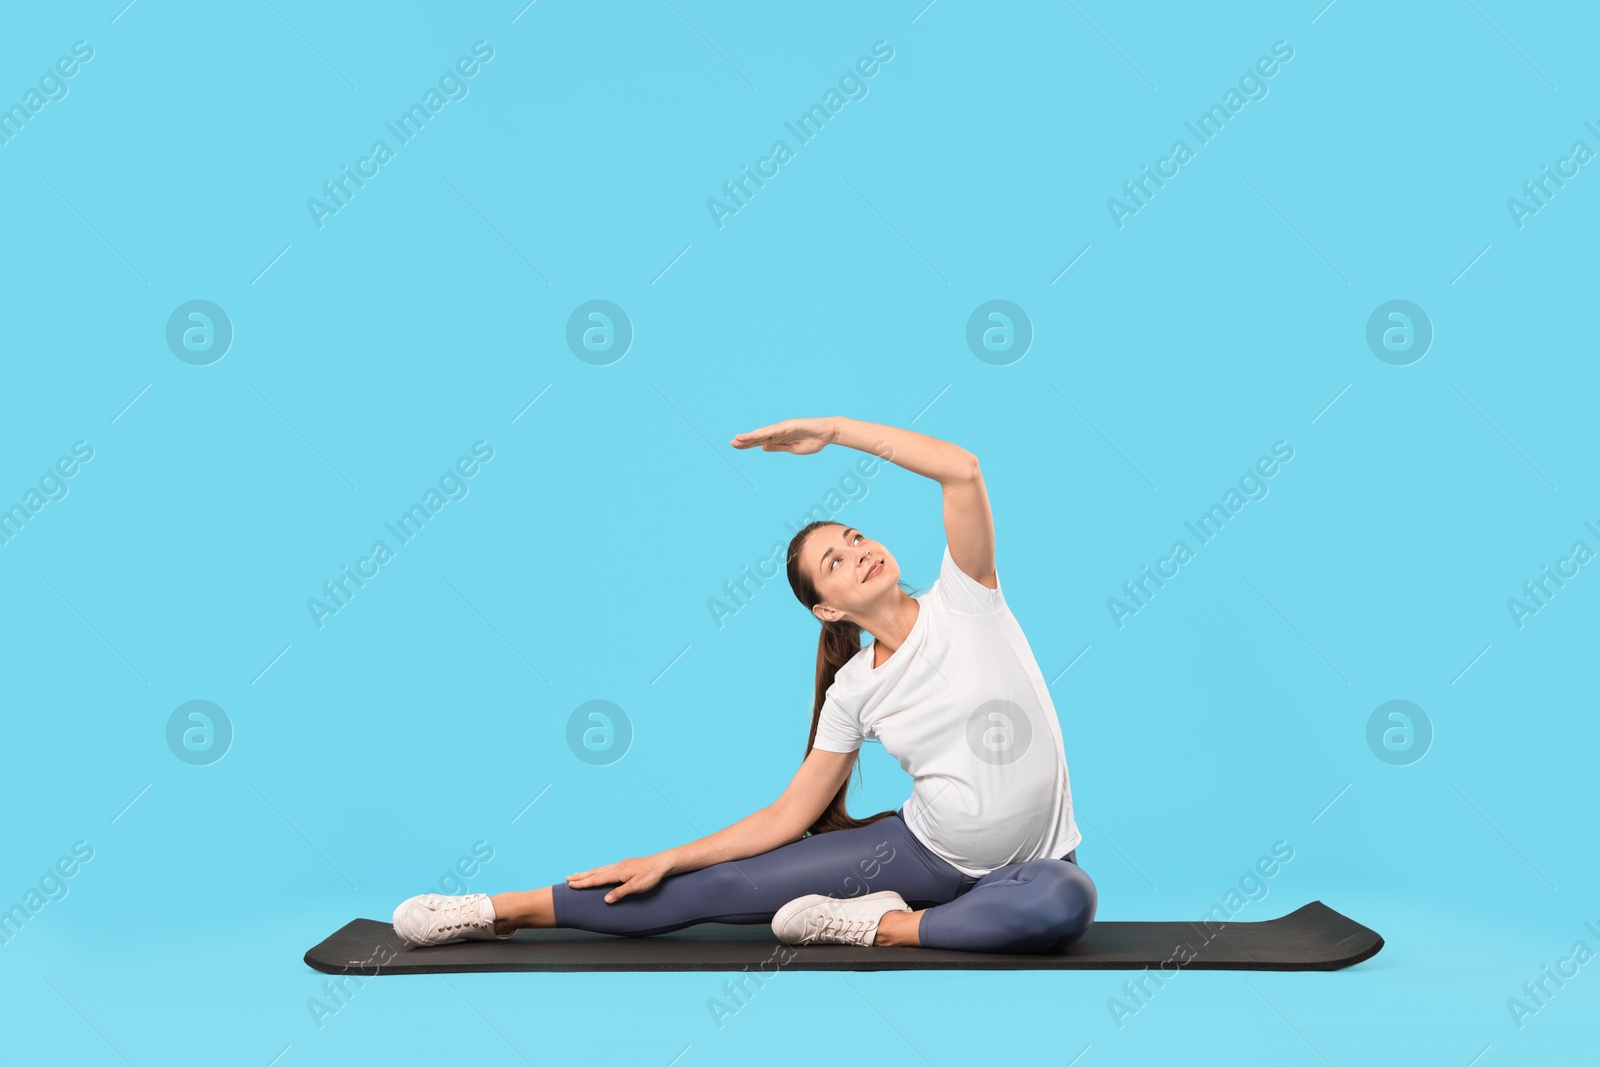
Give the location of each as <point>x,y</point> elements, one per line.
<point>800,436</point>
<point>636,875</point>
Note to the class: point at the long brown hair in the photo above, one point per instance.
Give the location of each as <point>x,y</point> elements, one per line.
<point>838,642</point>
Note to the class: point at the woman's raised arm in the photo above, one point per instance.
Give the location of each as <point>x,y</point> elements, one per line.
<point>968,524</point>
<point>918,453</point>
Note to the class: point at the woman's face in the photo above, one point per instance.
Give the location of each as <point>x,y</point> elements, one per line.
<point>849,568</point>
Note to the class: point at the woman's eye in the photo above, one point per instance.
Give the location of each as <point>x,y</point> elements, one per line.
<point>835,562</point>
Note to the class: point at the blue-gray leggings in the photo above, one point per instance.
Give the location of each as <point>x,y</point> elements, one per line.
<point>1022,907</point>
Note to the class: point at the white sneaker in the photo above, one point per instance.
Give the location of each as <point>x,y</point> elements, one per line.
<point>432,919</point>
<point>818,919</point>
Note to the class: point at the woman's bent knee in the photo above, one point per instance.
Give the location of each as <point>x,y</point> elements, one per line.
<point>1062,906</point>
<point>1076,899</point>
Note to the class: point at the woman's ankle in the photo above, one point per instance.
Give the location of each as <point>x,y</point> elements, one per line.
<point>521,910</point>
<point>506,918</point>
<point>898,929</point>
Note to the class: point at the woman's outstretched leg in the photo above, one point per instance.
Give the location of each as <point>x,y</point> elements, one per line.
<point>534,909</point>
<point>1022,907</point>
<point>844,864</point>
<point>882,855</point>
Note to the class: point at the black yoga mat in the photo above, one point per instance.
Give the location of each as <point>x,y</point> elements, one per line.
<point>1311,938</point>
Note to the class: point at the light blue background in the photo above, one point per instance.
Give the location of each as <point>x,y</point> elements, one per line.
<point>426,315</point>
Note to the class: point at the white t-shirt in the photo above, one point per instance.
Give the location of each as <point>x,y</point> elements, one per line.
<point>963,707</point>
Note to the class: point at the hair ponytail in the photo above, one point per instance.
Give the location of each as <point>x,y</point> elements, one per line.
<point>838,642</point>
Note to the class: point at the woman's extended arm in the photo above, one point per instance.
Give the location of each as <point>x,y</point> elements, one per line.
<point>758,832</point>
<point>813,786</point>
<point>918,453</point>
<point>968,524</point>
<point>928,456</point>
<point>784,820</point>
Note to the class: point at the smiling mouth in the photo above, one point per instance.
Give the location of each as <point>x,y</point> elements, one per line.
<point>874,571</point>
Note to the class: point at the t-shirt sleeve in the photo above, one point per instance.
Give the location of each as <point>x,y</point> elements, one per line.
<point>837,729</point>
<point>963,593</point>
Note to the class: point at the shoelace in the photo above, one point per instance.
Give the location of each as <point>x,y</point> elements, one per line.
<point>462,915</point>
<point>837,926</point>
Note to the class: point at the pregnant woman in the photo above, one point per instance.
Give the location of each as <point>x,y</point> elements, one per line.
<point>981,857</point>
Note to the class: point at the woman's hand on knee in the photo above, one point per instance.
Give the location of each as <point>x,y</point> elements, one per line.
<point>636,875</point>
